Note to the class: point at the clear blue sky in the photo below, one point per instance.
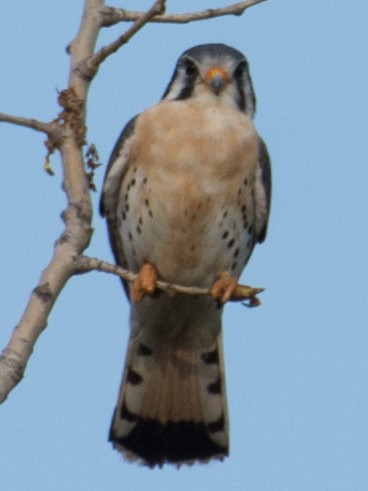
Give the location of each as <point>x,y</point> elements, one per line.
<point>297,366</point>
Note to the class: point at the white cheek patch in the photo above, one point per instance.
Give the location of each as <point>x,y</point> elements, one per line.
<point>177,86</point>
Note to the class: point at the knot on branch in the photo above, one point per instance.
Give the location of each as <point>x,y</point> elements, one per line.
<point>71,117</point>
<point>43,292</point>
<point>72,114</point>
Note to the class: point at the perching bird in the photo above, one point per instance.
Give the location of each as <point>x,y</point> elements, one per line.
<point>186,196</point>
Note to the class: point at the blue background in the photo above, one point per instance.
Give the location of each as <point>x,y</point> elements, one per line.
<point>297,366</point>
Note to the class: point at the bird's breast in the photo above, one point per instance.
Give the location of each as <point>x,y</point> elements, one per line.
<point>184,190</point>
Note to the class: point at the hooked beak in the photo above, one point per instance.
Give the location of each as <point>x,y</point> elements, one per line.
<point>216,79</point>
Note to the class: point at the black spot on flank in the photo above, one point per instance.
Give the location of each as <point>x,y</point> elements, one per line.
<point>215,388</point>
<point>224,215</point>
<point>145,180</point>
<point>132,182</point>
<point>246,182</point>
<point>124,215</point>
<point>128,186</point>
<point>130,236</point>
<point>146,202</point>
<point>225,234</point>
<point>126,196</point>
<point>126,414</point>
<point>236,252</point>
<point>234,265</point>
<point>150,213</point>
<point>135,169</point>
<point>218,425</point>
<point>250,229</point>
<point>140,221</point>
<point>243,208</point>
<point>231,243</point>
<point>144,350</point>
<point>179,442</point>
<point>210,357</point>
<point>239,191</point>
<point>127,207</point>
<point>133,377</point>
<point>245,224</point>
<point>192,248</point>
<point>138,228</point>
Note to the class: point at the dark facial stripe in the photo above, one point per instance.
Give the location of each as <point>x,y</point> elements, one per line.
<point>186,92</point>
<point>240,97</point>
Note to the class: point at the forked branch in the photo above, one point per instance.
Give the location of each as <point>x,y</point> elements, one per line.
<point>112,15</point>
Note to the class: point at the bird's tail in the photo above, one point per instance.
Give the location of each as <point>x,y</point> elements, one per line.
<point>172,404</point>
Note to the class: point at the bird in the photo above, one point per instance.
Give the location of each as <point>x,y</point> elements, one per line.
<point>186,196</point>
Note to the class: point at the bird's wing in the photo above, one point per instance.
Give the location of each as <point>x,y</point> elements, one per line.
<point>262,191</point>
<point>116,169</point>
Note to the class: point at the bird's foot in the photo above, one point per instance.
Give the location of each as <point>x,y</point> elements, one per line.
<point>145,282</point>
<point>223,288</point>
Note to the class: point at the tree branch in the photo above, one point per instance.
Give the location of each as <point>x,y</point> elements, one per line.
<point>27,122</point>
<point>85,264</point>
<point>113,15</point>
<point>140,21</point>
<point>77,216</point>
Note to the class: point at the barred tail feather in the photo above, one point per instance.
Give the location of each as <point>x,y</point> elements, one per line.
<point>172,405</point>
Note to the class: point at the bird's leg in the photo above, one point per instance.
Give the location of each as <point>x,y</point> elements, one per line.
<point>223,287</point>
<point>145,282</point>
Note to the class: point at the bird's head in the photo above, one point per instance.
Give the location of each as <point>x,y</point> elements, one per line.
<point>213,71</point>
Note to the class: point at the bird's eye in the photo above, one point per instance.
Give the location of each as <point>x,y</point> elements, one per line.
<point>190,68</point>
<point>239,70</point>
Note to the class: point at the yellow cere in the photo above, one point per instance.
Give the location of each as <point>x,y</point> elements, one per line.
<point>217,71</point>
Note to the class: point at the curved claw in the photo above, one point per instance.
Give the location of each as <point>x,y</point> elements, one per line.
<point>223,288</point>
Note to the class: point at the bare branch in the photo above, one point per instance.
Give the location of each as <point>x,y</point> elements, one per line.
<point>84,264</point>
<point>27,122</point>
<point>140,21</point>
<point>112,15</point>
<point>77,216</point>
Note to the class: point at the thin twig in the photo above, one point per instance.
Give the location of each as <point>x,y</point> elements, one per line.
<point>139,22</point>
<point>113,15</point>
<point>85,264</point>
<point>27,122</point>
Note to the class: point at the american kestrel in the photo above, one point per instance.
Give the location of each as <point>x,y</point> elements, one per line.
<point>186,197</point>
